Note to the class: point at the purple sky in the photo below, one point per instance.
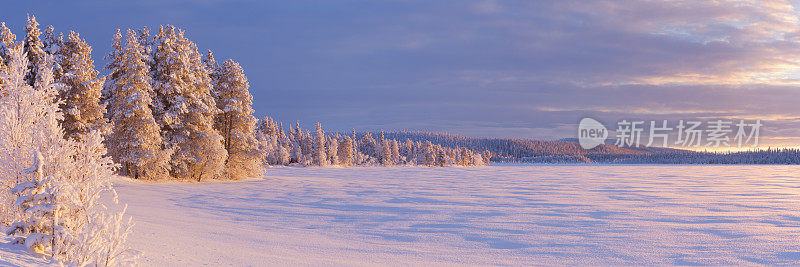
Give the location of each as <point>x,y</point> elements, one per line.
<point>529,69</point>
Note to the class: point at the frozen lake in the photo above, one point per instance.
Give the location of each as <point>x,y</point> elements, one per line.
<point>505,215</point>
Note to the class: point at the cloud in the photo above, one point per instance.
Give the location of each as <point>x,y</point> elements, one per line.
<point>487,7</point>
<point>499,68</point>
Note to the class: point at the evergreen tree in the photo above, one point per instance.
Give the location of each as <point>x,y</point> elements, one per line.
<point>115,60</point>
<point>82,89</point>
<point>184,107</point>
<point>211,64</point>
<point>33,49</point>
<point>346,152</point>
<point>430,154</point>
<point>50,42</point>
<point>37,199</point>
<point>465,158</point>
<point>368,146</point>
<point>395,152</point>
<point>235,122</point>
<point>146,42</point>
<point>284,158</point>
<point>332,150</point>
<point>441,157</point>
<point>7,42</point>
<point>51,45</point>
<point>487,156</point>
<point>135,141</point>
<point>386,151</point>
<point>320,157</point>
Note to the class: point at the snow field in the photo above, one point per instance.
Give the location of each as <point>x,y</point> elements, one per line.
<point>499,215</point>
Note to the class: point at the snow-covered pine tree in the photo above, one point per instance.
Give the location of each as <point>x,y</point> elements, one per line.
<point>320,157</point>
<point>395,149</point>
<point>464,157</point>
<point>114,66</point>
<point>51,42</point>
<point>38,227</point>
<point>346,152</point>
<point>430,154</point>
<point>82,89</point>
<point>295,148</point>
<point>369,147</point>
<point>63,215</point>
<point>407,151</point>
<point>235,122</point>
<point>356,155</point>
<point>477,159</point>
<point>441,157</point>
<point>147,43</point>
<point>309,148</point>
<point>385,155</point>
<point>284,156</point>
<point>267,127</point>
<point>135,140</point>
<point>332,150</point>
<point>184,107</point>
<point>33,49</point>
<point>213,68</point>
<point>7,42</point>
<point>487,156</point>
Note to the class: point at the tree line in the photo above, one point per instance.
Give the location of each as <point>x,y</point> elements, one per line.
<point>166,110</point>
<point>304,148</point>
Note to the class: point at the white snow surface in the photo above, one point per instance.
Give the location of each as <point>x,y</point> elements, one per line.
<point>498,215</point>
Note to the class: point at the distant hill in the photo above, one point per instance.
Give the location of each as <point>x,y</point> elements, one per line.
<point>569,151</point>
<point>511,149</point>
<point>641,148</point>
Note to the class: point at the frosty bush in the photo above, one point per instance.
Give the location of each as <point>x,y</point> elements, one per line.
<point>55,204</point>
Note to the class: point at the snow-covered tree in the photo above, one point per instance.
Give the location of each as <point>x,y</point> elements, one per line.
<point>7,42</point>
<point>97,235</point>
<point>51,45</point>
<point>284,158</point>
<point>135,140</point>
<point>441,157</point>
<point>28,121</point>
<point>332,150</point>
<point>184,107</point>
<point>320,157</point>
<point>58,211</point>
<point>114,63</point>
<point>82,89</point>
<point>465,157</point>
<point>213,68</point>
<point>385,155</point>
<point>63,216</point>
<point>51,42</point>
<point>486,156</point>
<point>32,48</point>
<point>235,121</point>
<point>395,149</point>
<point>38,227</point>
<point>346,152</point>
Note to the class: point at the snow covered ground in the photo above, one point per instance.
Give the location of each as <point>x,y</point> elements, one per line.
<point>500,215</point>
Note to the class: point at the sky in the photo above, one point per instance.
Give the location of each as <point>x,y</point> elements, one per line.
<point>521,69</point>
